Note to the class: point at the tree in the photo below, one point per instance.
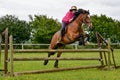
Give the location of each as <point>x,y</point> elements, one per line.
<point>20,29</point>
<point>106,26</point>
<point>43,28</point>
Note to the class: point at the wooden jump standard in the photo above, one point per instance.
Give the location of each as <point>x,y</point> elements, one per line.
<point>5,33</point>
<point>101,39</point>
<point>12,73</point>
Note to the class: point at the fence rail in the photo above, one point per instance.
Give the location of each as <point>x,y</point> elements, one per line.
<point>75,45</point>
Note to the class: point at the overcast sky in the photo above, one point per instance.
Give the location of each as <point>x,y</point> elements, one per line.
<point>58,8</point>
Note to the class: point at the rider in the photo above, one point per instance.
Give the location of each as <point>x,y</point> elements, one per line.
<point>66,20</point>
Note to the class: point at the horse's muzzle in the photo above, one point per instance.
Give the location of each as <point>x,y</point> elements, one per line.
<point>90,26</point>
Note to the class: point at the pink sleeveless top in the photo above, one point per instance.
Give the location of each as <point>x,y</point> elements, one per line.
<point>69,15</point>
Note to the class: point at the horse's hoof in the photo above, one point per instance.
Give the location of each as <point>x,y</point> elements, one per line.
<point>55,66</point>
<point>45,62</point>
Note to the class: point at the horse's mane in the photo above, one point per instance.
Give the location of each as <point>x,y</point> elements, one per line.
<point>80,11</point>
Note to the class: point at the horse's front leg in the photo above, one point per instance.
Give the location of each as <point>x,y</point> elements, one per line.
<point>56,62</point>
<point>46,61</point>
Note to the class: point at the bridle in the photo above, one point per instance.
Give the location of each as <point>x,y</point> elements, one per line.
<point>85,19</point>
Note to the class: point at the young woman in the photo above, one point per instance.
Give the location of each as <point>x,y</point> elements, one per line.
<point>67,19</point>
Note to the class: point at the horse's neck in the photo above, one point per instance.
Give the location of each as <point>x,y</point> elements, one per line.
<point>76,26</point>
<point>74,30</point>
<point>79,22</point>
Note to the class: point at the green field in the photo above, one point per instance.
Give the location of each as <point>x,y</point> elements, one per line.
<point>82,74</point>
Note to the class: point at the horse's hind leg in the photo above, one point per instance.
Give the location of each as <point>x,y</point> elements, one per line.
<point>58,55</point>
<point>56,62</point>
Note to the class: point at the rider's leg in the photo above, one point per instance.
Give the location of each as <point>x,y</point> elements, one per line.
<point>62,32</point>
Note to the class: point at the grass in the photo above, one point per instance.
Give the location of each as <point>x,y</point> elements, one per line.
<point>82,74</point>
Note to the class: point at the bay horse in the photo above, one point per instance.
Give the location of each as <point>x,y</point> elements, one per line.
<point>73,33</point>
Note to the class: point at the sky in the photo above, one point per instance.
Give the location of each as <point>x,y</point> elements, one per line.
<point>58,8</point>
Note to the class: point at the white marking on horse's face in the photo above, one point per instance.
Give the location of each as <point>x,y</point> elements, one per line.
<point>89,22</point>
<point>88,16</point>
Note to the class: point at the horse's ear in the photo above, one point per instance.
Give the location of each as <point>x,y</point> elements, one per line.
<point>88,12</point>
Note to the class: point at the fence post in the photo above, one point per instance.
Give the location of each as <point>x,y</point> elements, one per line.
<point>0,47</point>
<point>22,46</point>
<point>6,51</point>
<point>109,48</point>
<point>76,46</point>
<point>99,46</point>
<point>11,56</point>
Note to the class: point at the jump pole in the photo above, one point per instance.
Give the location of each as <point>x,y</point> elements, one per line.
<point>41,59</point>
<point>59,50</point>
<point>55,70</point>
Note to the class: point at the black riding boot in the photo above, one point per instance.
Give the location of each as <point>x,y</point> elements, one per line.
<point>62,32</point>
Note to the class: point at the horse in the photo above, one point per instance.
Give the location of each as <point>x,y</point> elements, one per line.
<point>73,33</point>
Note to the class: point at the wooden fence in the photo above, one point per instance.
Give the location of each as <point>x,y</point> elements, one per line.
<point>104,61</point>
<point>105,51</point>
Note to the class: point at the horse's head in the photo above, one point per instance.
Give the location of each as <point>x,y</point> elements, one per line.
<point>84,17</point>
